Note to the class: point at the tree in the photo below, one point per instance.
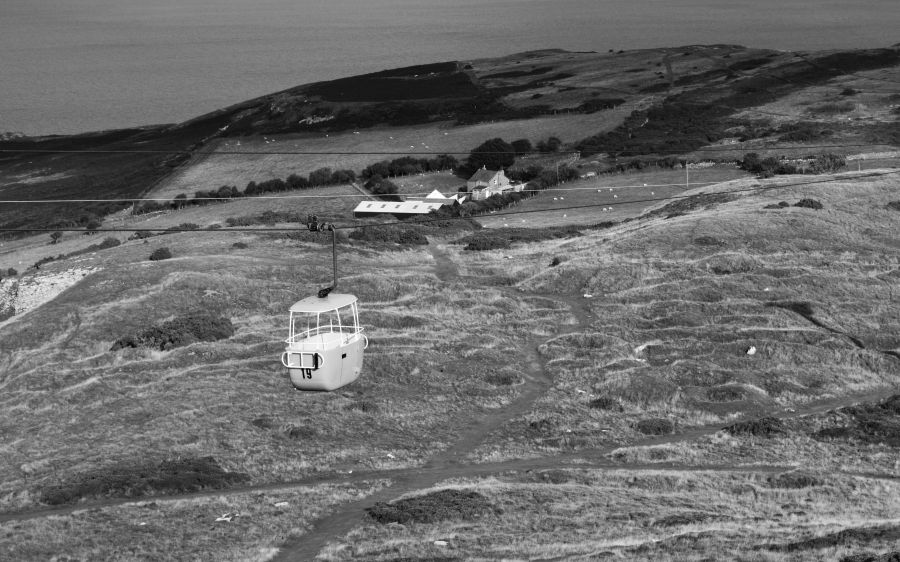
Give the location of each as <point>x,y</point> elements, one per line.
<point>320,177</point>
<point>343,176</point>
<point>296,181</point>
<point>494,154</point>
<point>552,144</point>
<point>522,146</point>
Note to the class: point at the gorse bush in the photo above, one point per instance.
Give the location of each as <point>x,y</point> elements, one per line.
<point>809,204</point>
<point>181,331</point>
<point>160,254</point>
<point>139,479</point>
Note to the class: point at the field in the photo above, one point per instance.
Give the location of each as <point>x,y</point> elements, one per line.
<point>612,197</point>
<point>357,149</point>
<point>504,397</point>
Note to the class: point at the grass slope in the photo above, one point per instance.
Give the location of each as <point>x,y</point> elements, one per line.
<point>644,372</point>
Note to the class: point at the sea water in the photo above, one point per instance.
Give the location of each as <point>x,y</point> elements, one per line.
<point>70,66</point>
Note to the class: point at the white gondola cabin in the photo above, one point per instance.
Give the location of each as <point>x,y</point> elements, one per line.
<point>325,345</point>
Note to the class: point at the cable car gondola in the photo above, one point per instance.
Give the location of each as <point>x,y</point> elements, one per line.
<point>324,348</point>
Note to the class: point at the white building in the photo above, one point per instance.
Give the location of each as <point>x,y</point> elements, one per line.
<point>411,206</point>
<point>485,183</point>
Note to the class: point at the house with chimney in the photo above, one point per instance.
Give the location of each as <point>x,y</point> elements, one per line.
<point>485,183</point>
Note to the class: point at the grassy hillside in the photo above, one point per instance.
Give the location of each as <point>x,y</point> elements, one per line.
<point>675,386</point>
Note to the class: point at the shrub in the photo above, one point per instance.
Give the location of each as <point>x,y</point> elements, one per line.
<point>826,163</point>
<point>762,427</point>
<point>793,480</point>
<point>11,272</point>
<point>240,246</point>
<point>809,204</point>
<point>655,426</point>
<point>91,226</point>
<point>555,261</point>
<point>184,330</point>
<point>779,205</point>
<point>139,479</point>
<point>434,507</point>
<point>708,241</point>
<point>605,403</point>
<point>522,146</point>
<point>160,254</point>
<point>895,205</point>
<point>480,244</point>
<point>849,92</point>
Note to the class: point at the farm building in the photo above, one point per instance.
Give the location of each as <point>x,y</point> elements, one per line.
<point>485,183</point>
<point>411,206</point>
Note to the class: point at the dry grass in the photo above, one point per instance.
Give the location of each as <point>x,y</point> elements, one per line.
<point>674,319</point>
<point>659,515</point>
<point>144,406</point>
<point>665,333</point>
<point>180,529</point>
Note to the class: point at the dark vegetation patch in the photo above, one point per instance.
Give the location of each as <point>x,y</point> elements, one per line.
<point>599,104</point>
<point>437,506</point>
<point>405,236</point>
<point>689,120</point>
<point>691,203</point>
<point>413,83</point>
<point>264,422</point>
<point>725,393</point>
<point>520,73</point>
<point>809,204</point>
<point>708,241</point>
<point>141,479</point>
<point>183,330</point>
<point>655,426</point>
<point>501,379</point>
<point>485,243</point>
<point>606,403</point>
<point>240,246</point>
<point>501,238</point>
<point>160,254</point>
<point>793,481</point>
<point>762,427</point>
<point>847,537</point>
<point>868,423</point>
<point>779,205</point>
<point>802,308</point>
<point>686,518</point>
<point>292,431</point>
<point>893,205</point>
